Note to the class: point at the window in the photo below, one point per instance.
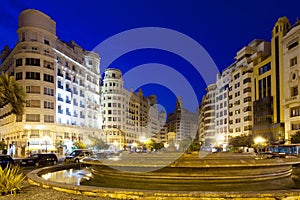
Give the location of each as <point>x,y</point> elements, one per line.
<point>248,128</point>
<point>295,111</point>
<point>238,111</point>
<point>46,42</point>
<point>293,61</point>
<point>294,91</point>
<point>33,103</point>
<point>23,37</point>
<point>248,118</point>
<point>33,89</point>
<point>32,61</point>
<point>48,65</point>
<point>49,118</point>
<point>48,91</point>
<point>48,105</point>
<point>237,120</point>
<point>33,75</point>
<point>294,44</point>
<point>237,85</point>
<point>19,118</point>
<point>237,76</point>
<point>48,78</point>
<point>238,129</point>
<point>247,80</point>
<point>237,102</point>
<point>19,62</point>
<point>264,69</point>
<point>237,94</point>
<point>19,75</point>
<point>247,108</point>
<point>32,118</point>
<point>248,89</point>
<point>295,126</point>
<point>247,99</point>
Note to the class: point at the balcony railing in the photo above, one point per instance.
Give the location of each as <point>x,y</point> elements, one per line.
<point>60,99</point>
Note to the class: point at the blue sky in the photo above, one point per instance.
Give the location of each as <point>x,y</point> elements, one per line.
<point>221,27</point>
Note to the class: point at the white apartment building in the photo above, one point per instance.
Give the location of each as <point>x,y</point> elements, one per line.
<point>206,123</point>
<point>62,83</point>
<point>241,88</point>
<point>291,74</point>
<point>221,106</point>
<point>128,117</point>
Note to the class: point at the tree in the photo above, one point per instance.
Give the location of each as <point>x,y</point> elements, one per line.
<point>12,93</point>
<point>150,144</point>
<point>295,138</point>
<point>98,143</point>
<point>159,145</point>
<point>241,141</point>
<point>80,145</point>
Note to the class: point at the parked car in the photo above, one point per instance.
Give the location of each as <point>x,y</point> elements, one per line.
<point>39,159</point>
<point>6,160</point>
<point>78,154</point>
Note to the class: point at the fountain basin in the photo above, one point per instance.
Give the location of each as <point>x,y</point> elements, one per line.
<point>280,165</point>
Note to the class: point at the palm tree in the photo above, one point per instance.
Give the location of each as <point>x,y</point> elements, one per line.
<point>12,93</point>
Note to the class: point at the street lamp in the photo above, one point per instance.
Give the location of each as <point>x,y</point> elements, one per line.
<point>259,140</point>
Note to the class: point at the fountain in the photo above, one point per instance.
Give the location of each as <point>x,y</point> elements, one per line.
<point>188,177</point>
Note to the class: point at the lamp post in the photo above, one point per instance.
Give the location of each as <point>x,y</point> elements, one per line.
<point>259,140</point>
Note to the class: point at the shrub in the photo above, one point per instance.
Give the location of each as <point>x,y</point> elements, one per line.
<point>10,179</point>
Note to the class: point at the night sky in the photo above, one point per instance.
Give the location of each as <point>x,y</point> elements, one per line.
<point>221,27</point>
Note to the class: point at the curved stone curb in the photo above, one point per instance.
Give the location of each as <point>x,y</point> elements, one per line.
<point>114,193</point>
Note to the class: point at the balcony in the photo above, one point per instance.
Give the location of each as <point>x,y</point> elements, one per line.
<point>68,113</point>
<point>75,103</point>
<point>60,99</point>
<point>68,101</point>
<point>60,74</point>
<point>60,111</point>
<point>294,99</point>
<point>60,86</point>
<point>75,115</point>
<point>82,106</point>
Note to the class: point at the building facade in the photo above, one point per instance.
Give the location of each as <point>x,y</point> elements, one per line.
<point>62,84</point>
<point>128,117</point>
<point>182,122</point>
<point>207,116</point>
<point>221,106</point>
<point>291,73</point>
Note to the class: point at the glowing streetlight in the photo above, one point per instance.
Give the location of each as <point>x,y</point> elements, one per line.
<point>259,140</point>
